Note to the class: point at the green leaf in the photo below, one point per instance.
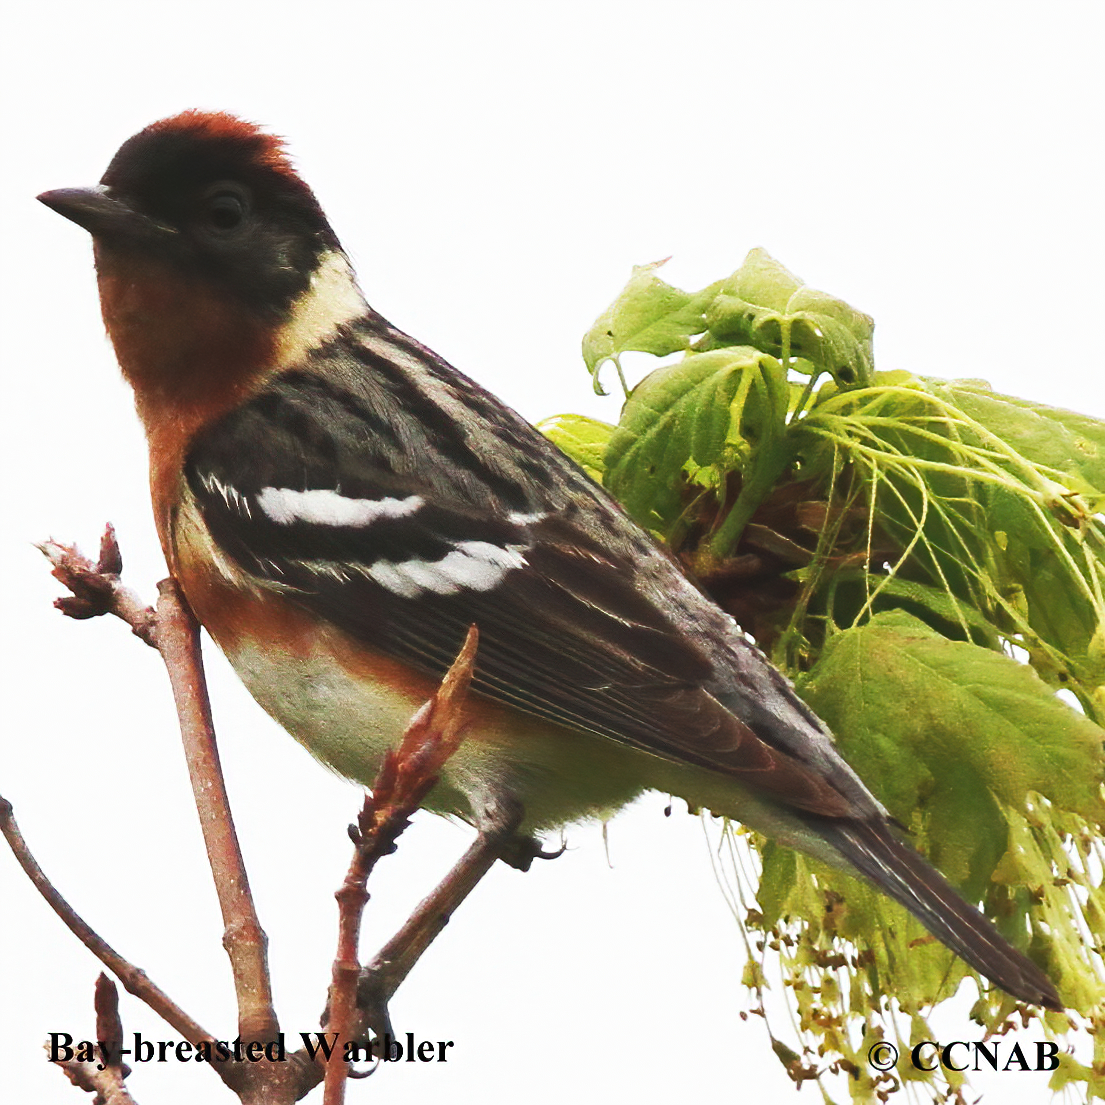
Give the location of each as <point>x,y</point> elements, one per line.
<point>583,439</point>
<point>997,523</point>
<point>1068,442</point>
<point>942,731</point>
<point>977,512</point>
<point>650,316</point>
<point>764,305</point>
<point>954,617</point>
<point>763,281</point>
<point>708,410</point>
<point>1029,567</point>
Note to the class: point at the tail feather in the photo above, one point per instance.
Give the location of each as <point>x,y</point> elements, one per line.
<point>902,874</point>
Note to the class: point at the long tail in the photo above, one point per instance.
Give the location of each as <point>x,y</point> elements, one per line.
<point>902,874</point>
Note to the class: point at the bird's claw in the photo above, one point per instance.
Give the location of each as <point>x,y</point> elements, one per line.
<point>521,851</point>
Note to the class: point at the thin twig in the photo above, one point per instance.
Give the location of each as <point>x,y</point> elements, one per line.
<point>174,632</point>
<point>243,937</point>
<point>172,629</point>
<point>394,961</point>
<point>133,978</point>
<point>405,778</point>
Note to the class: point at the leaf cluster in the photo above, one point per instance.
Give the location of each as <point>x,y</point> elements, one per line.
<point>926,558</point>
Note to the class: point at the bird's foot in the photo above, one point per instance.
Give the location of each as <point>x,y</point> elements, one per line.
<point>520,851</point>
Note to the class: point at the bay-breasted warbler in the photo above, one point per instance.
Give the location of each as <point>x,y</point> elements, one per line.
<point>339,505</point>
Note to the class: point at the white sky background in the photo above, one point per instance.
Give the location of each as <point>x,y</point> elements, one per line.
<point>494,171</point>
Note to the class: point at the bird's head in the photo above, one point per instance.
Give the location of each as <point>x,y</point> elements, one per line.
<point>213,197</point>
<point>213,256</point>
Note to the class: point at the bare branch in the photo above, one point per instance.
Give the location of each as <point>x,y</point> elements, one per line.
<point>391,965</point>
<point>243,937</point>
<point>133,979</point>
<point>172,629</point>
<point>405,778</point>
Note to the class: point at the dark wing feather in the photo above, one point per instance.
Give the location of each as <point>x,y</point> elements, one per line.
<point>596,629</point>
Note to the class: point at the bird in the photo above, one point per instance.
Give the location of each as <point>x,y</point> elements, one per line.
<point>339,505</point>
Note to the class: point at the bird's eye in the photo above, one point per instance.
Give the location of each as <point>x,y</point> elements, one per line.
<point>225,207</point>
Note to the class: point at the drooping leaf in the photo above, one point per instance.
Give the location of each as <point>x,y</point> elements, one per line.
<point>763,281</point>
<point>708,410</point>
<point>1063,440</point>
<point>766,306</point>
<point>999,524</point>
<point>649,315</point>
<point>1031,565</point>
<point>762,304</point>
<point>942,731</point>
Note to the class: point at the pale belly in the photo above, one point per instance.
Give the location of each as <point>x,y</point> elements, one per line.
<point>558,775</point>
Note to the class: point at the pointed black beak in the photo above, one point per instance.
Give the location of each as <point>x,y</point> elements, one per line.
<point>105,217</point>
